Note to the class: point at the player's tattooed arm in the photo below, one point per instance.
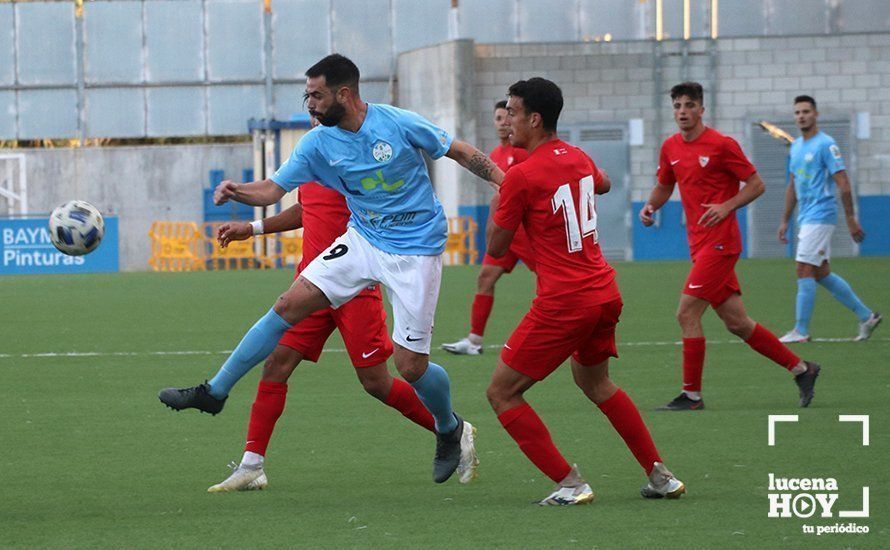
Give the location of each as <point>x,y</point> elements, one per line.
<point>475,161</point>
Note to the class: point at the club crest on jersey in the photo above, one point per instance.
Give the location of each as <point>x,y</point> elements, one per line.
<point>703,161</point>
<point>382,151</point>
<point>808,157</point>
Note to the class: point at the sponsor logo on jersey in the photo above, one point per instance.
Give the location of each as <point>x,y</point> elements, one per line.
<point>377,179</point>
<point>380,221</point>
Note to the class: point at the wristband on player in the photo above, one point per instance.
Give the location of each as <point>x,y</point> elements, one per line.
<point>257,226</point>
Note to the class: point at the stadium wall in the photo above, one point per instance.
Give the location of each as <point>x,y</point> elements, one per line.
<point>746,79</point>
<point>139,185</point>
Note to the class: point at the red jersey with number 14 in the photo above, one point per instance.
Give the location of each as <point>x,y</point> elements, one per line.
<point>552,194</point>
<point>708,170</point>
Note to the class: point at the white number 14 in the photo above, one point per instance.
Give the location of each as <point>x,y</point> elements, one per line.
<point>575,232</point>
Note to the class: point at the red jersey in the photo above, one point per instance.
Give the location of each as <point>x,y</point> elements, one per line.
<point>324,219</point>
<point>506,156</point>
<point>552,195</point>
<point>708,170</point>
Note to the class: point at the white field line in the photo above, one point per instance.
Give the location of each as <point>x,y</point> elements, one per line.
<point>65,354</point>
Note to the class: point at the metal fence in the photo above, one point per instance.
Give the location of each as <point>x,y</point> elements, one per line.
<point>152,68</point>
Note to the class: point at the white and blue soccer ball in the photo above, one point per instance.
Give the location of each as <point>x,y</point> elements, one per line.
<point>76,228</point>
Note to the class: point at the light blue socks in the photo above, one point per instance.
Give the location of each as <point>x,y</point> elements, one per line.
<point>434,391</point>
<point>256,345</point>
<point>806,298</point>
<point>843,293</point>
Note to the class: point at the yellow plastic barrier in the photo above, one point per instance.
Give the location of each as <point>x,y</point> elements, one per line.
<point>460,248</point>
<point>183,246</point>
<point>176,246</point>
<point>248,254</point>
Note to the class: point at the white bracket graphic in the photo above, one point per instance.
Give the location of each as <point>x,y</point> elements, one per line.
<point>857,514</point>
<point>773,418</point>
<point>863,418</point>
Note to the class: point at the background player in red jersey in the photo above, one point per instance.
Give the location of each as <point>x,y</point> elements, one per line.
<point>708,167</point>
<point>505,155</point>
<point>577,305</point>
<point>322,213</point>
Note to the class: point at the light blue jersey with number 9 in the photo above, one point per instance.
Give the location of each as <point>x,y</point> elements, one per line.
<point>381,172</point>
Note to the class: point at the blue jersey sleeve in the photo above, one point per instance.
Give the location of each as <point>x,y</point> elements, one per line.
<point>423,134</point>
<point>831,157</point>
<point>297,169</point>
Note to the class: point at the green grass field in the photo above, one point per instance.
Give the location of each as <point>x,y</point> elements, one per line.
<point>90,458</point>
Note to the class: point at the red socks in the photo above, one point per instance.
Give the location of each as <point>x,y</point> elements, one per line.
<point>626,420</point>
<point>693,363</point>
<point>482,304</point>
<point>403,399</point>
<point>765,343</point>
<point>267,407</point>
<point>527,429</point>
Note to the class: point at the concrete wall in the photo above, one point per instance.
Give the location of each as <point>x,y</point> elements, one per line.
<point>138,184</point>
<point>434,81</point>
<point>746,79</point>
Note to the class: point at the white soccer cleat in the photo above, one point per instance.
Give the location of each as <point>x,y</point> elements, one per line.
<point>571,491</point>
<point>662,484</point>
<point>868,326</point>
<point>469,461</point>
<point>243,478</point>
<point>794,337</point>
<point>463,347</point>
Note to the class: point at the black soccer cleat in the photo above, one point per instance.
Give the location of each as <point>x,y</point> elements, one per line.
<point>197,397</point>
<point>447,452</point>
<point>806,381</point>
<point>683,403</point>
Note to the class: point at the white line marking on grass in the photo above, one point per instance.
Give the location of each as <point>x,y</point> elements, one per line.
<point>66,354</point>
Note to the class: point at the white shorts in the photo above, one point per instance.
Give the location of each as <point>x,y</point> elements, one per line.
<point>412,281</point>
<point>814,243</point>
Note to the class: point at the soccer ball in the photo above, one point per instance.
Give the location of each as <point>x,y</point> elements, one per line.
<point>76,228</point>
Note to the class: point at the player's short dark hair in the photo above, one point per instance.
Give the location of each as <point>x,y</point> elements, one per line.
<point>337,70</point>
<point>502,104</point>
<point>805,98</point>
<point>541,96</point>
<point>692,90</point>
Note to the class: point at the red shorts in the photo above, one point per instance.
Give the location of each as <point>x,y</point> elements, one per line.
<point>520,249</point>
<point>712,278</point>
<point>545,338</point>
<point>361,322</point>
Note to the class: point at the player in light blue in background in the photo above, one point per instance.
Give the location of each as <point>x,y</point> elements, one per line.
<point>816,166</point>
<point>373,155</point>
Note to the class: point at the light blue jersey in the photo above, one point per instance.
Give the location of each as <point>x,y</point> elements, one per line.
<point>381,172</point>
<point>813,162</point>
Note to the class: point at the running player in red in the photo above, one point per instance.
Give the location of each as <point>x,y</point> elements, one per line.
<point>322,213</point>
<point>577,304</point>
<point>505,155</point>
<point>708,167</point>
